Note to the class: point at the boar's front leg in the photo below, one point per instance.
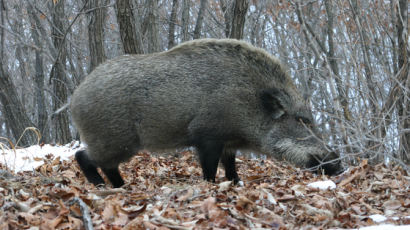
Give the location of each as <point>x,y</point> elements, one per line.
<point>88,167</point>
<point>114,176</point>
<point>228,161</point>
<point>209,152</point>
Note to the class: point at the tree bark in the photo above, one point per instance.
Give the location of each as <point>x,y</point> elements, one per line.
<point>61,121</point>
<point>13,111</point>
<point>129,30</point>
<point>172,22</point>
<point>200,18</point>
<point>403,105</point>
<point>185,20</point>
<point>153,32</point>
<point>238,18</point>
<point>20,56</point>
<point>39,77</point>
<point>227,10</point>
<point>96,33</point>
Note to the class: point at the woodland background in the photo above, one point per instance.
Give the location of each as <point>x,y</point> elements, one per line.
<point>348,57</point>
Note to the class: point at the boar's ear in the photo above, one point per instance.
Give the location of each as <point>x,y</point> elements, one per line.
<point>271,103</point>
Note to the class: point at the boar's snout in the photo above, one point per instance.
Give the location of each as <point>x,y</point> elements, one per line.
<point>330,163</point>
<point>307,153</point>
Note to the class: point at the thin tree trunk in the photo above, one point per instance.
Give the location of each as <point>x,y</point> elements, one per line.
<point>238,19</point>
<point>13,111</point>
<point>227,10</point>
<point>61,121</point>
<point>172,22</point>
<point>18,29</point>
<point>403,77</point>
<point>96,33</point>
<point>39,77</point>
<point>153,32</point>
<point>129,30</point>
<point>200,18</point>
<point>185,20</point>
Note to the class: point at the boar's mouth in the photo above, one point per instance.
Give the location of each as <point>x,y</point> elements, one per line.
<point>310,156</point>
<point>330,164</point>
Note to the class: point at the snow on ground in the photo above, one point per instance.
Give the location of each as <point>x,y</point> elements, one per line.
<point>323,185</point>
<point>386,227</point>
<point>27,159</point>
<point>378,218</point>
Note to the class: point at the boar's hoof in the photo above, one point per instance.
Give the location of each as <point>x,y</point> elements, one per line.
<point>88,167</point>
<point>330,164</point>
<point>114,176</point>
<point>228,161</point>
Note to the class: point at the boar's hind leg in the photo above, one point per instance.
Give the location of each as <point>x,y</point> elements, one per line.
<point>88,167</point>
<point>228,161</point>
<point>114,176</point>
<point>209,152</point>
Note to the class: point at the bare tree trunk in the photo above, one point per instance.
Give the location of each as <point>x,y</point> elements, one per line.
<point>39,77</point>
<point>185,20</point>
<point>172,22</point>
<point>200,18</point>
<point>403,105</point>
<point>227,10</point>
<point>13,111</point>
<point>20,56</point>
<point>129,31</point>
<point>153,32</point>
<point>238,18</point>
<point>61,121</point>
<point>96,33</point>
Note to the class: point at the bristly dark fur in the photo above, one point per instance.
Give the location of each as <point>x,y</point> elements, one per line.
<point>218,95</point>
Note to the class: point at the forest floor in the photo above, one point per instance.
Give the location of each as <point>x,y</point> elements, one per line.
<point>167,192</point>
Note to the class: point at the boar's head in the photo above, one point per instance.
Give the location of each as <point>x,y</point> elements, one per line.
<point>292,134</point>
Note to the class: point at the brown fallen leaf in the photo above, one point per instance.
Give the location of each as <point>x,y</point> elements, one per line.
<point>392,205</point>
<point>358,173</point>
<point>244,204</point>
<point>186,196</point>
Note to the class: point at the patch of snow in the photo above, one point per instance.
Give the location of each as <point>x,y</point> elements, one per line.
<point>323,185</point>
<point>29,158</point>
<point>378,218</point>
<point>405,217</point>
<point>387,227</point>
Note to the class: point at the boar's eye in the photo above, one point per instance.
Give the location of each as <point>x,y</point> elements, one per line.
<point>304,120</point>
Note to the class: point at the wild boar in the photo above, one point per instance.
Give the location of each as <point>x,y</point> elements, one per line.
<point>217,95</point>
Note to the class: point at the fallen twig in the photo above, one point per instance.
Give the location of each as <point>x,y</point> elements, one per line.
<point>88,225</point>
